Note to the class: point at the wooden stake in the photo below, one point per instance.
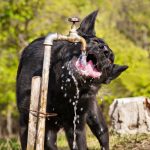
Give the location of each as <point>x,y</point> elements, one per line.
<point>43,99</point>
<point>34,102</point>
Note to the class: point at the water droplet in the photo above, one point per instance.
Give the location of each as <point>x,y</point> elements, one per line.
<point>70,100</point>
<point>65,95</point>
<point>73,103</point>
<point>74,96</point>
<point>62,67</point>
<point>62,87</point>
<point>78,121</point>
<point>56,122</point>
<point>62,75</point>
<point>76,102</point>
<point>81,109</point>
<point>53,109</point>
<point>68,80</point>
<point>69,72</point>
<point>84,81</point>
<point>95,117</point>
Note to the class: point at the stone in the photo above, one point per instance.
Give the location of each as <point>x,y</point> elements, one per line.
<point>130,115</point>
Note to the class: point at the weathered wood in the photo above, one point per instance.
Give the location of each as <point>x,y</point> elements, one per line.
<point>130,115</point>
<point>34,102</point>
<point>43,98</point>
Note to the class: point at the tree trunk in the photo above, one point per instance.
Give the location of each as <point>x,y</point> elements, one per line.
<point>130,115</point>
<point>9,122</point>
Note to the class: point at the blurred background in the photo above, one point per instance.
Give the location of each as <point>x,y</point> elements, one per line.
<point>123,24</point>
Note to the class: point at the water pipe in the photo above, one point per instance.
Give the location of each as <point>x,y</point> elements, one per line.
<point>72,37</point>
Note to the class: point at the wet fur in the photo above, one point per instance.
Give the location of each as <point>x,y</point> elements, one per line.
<point>62,52</point>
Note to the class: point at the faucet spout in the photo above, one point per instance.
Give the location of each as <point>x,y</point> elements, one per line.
<point>72,37</point>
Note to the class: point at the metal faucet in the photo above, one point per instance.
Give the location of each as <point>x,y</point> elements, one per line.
<point>72,37</point>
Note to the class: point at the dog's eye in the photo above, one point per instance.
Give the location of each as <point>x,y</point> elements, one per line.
<point>101,46</point>
<point>95,41</point>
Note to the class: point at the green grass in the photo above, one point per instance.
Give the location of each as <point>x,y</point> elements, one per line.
<point>9,144</point>
<point>117,142</point>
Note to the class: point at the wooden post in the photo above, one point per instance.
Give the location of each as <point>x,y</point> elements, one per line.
<point>43,98</point>
<point>34,102</point>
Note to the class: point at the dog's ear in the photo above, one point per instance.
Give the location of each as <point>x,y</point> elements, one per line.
<point>116,71</point>
<point>87,25</point>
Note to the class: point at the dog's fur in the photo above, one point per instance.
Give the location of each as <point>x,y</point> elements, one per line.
<point>59,100</point>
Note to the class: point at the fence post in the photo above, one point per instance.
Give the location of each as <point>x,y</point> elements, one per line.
<point>33,113</point>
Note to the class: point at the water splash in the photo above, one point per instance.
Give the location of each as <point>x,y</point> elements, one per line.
<point>83,58</point>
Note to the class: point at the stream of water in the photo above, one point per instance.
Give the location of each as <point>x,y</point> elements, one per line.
<point>82,58</point>
<point>74,103</point>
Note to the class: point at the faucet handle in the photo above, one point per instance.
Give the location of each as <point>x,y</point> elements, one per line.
<point>73,30</point>
<point>73,19</point>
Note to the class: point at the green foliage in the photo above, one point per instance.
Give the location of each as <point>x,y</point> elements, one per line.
<point>126,29</point>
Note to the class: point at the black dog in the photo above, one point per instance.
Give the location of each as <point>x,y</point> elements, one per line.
<point>72,91</point>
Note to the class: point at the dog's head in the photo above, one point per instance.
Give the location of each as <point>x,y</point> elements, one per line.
<point>100,58</point>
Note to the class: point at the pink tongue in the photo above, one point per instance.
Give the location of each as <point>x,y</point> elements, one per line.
<point>88,69</point>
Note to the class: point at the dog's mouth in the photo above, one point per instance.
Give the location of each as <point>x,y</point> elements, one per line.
<point>87,66</point>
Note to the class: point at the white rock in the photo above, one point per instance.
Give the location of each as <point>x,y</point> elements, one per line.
<point>130,115</point>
